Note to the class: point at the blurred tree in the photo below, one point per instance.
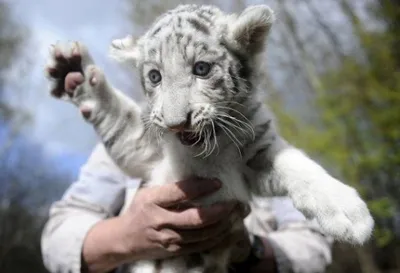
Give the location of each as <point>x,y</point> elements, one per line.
<point>389,13</point>
<point>13,36</point>
<point>20,202</point>
<point>29,181</point>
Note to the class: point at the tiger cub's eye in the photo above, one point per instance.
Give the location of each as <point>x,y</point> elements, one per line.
<point>154,76</point>
<point>201,69</point>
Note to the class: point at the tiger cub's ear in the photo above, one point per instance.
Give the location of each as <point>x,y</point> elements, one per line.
<point>124,50</point>
<point>248,32</point>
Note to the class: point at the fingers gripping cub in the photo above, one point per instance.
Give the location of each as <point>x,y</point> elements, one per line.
<point>74,77</point>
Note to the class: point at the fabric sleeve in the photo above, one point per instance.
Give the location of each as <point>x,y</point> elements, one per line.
<point>97,194</point>
<point>298,244</point>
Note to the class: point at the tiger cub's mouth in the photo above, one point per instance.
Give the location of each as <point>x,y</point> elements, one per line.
<point>190,138</point>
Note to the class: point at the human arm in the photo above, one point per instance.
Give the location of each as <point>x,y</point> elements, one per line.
<point>96,195</point>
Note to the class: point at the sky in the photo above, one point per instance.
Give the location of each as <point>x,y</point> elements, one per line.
<point>58,124</point>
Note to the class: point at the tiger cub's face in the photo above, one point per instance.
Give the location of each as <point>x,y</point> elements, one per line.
<point>195,64</point>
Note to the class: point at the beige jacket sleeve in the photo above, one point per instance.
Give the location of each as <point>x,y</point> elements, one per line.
<point>97,194</point>
<point>298,244</point>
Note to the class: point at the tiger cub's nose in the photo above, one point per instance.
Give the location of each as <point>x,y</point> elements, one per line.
<point>181,125</point>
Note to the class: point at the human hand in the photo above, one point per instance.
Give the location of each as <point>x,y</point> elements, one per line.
<point>152,229</point>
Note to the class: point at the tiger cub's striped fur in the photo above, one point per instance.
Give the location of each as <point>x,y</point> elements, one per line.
<point>204,116</point>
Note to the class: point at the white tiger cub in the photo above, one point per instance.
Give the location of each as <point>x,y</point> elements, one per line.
<point>204,117</point>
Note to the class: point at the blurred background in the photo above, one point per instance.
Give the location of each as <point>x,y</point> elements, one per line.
<point>332,77</point>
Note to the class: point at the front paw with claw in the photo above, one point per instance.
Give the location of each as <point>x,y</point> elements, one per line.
<point>75,78</point>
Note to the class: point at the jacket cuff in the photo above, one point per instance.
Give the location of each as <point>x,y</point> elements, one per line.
<point>78,235</point>
<point>67,258</point>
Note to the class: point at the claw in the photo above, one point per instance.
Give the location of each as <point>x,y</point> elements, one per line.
<point>93,81</point>
<point>59,56</point>
<point>51,49</point>
<point>75,49</point>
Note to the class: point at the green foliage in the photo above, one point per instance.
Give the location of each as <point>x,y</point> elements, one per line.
<point>382,207</point>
